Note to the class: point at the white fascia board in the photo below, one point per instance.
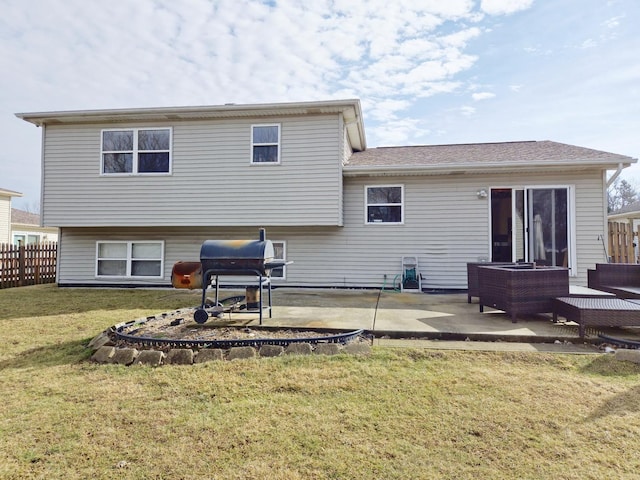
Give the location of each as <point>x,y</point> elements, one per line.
<point>180,113</point>
<point>9,193</point>
<point>349,171</point>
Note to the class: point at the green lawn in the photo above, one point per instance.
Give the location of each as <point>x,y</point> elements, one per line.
<point>396,414</point>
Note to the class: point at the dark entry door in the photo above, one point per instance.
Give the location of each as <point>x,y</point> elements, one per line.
<point>531,225</point>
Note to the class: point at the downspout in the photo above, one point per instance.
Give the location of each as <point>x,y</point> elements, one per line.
<point>42,140</point>
<point>615,176</point>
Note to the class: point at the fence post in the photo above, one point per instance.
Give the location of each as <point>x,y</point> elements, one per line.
<point>611,237</point>
<point>21,264</point>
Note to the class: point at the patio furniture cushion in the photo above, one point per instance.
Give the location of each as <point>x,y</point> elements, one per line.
<point>600,311</point>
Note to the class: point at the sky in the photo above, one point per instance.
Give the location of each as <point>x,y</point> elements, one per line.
<point>426,71</point>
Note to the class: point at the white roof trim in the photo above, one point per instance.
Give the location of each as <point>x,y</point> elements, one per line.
<point>349,108</point>
<point>9,193</point>
<point>350,171</point>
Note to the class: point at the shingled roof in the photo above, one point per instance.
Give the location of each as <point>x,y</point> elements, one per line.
<point>472,155</point>
<point>24,218</point>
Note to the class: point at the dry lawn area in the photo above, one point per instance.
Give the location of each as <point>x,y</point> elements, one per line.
<point>397,414</point>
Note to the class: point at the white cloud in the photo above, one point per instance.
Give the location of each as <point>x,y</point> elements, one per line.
<point>482,96</point>
<point>504,7</point>
<point>589,43</point>
<point>397,132</point>
<point>613,22</point>
<point>515,88</point>
<point>385,110</point>
<point>461,38</point>
<point>239,50</point>
<point>467,110</point>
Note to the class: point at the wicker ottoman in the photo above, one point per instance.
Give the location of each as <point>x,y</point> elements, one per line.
<point>601,311</point>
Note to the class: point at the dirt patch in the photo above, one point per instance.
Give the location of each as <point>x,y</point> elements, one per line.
<point>179,325</point>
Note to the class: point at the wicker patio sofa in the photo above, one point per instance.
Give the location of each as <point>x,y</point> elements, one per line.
<point>473,284</point>
<point>521,289</point>
<point>621,279</point>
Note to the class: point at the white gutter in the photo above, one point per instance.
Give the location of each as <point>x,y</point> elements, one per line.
<point>191,113</point>
<point>352,171</point>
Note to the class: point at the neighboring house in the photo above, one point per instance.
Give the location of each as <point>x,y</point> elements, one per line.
<point>135,190</point>
<point>5,214</point>
<point>629,214</point>
<point>26,229</point>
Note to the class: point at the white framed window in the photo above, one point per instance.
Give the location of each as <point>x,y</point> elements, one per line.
<point>26,238</point>
<point>384,204</point>
<point>130,259</point>
<point>279,253</point>
<point>265,143</point>
<point>135,151</point>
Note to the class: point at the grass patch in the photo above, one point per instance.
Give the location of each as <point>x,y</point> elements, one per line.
<point>395,414</point>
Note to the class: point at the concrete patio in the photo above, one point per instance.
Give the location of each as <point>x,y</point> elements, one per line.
<point>421,317</point>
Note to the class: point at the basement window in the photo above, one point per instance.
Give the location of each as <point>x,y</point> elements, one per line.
<point>139,259</point>
<point>384,204</point>
<point>279,253</point>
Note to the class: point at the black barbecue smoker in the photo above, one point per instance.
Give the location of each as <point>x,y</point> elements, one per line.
<point>233,258</point>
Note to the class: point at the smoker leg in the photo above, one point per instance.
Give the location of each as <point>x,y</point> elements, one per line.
<point>260,300</point>
<point>204,294</point>
<point>201,315</point>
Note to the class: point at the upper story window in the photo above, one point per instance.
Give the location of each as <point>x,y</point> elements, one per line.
<point>385,204</point>
<point>265,143</point>
<point>136,151</point>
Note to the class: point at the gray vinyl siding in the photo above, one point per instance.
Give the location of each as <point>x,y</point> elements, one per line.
<point>212,182</point>
<point>445,226</point>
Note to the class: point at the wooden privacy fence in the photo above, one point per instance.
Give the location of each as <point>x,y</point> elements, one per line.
<point>27,264</point>
<point>622,243</point>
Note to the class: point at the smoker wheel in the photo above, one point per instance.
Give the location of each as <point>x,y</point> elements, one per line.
<point>200,315</point>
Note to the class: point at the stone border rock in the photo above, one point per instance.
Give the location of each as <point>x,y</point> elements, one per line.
<point>108,353</point>
<point>627,355</point>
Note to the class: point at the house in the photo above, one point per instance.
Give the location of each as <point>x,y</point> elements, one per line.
<point>5,214</point>
<point>624,225</point>
<point>629,214</point>
<point>26,229</point>
<point>135,190</point>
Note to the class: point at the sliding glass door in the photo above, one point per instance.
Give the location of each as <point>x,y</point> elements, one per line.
<point>531,225</point>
